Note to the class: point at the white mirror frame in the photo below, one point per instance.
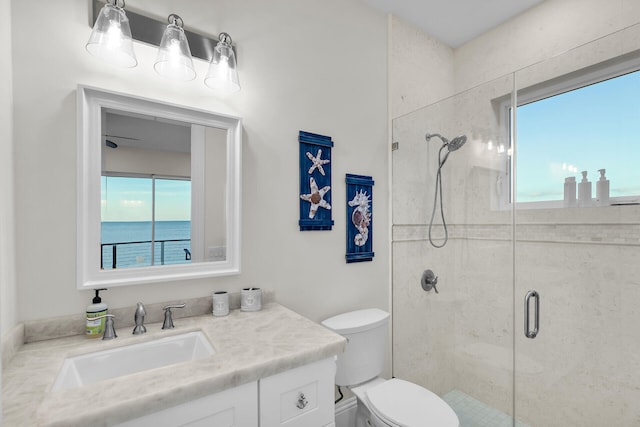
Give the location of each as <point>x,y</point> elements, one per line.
<point>91,102</point>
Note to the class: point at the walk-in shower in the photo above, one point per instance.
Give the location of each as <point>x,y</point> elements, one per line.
<point>451,146</point>
<point>468,344</point>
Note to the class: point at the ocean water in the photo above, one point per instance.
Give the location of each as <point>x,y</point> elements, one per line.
<point>133,243</point>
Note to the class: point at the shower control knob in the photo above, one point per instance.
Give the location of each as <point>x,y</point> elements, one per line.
<point>429,281</point>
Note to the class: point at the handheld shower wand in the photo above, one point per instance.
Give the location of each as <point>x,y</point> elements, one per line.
<point>452,145</point>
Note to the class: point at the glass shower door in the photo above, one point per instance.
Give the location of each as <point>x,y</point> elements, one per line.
<point>458,342</point>
<point>583,366</point>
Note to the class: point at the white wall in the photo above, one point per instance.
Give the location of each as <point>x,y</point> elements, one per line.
<point>304,65</point>
<point>7,270</point>
<point>420,69</point>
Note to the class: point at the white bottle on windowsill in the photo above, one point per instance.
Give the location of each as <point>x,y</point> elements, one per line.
<point>602,189</point>
<point>570,192</point>
<point>584,192</point>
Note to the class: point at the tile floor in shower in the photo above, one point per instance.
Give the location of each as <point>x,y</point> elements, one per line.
<point>473,413</point>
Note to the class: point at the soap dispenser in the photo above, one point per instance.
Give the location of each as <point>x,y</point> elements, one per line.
<point>570,192</point>
<point>95,328</point>
<point>602,189</point>
<point>584,191</point>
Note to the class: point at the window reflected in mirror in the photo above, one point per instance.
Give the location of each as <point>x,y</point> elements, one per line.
<point>145,221</point>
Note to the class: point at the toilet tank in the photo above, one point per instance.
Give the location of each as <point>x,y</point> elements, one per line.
<point>366,333</point>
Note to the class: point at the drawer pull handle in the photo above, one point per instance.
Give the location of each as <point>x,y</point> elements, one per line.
<point>302,401</point>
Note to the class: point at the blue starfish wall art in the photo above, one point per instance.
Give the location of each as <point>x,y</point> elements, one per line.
<point>315,181</point>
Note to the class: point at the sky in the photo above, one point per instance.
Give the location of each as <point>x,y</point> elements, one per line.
<point>129,199</point>
<point>596,127</point>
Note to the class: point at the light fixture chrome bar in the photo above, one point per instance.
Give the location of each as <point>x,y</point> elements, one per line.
<point>148,30</point>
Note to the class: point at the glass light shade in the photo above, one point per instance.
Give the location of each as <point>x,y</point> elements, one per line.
<point>110,39</point>
<point>174,56</point>
<point>223,73</point>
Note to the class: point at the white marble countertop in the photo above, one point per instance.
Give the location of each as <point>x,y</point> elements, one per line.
<point>248,345</point>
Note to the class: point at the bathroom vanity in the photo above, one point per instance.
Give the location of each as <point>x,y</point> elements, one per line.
<point>269,368</point>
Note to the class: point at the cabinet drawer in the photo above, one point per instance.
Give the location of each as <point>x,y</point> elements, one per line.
<point>301,397</point>
<point>235,407</point>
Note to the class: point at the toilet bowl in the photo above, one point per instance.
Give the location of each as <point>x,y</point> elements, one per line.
<point>380,402</point>
<point>400,403</point>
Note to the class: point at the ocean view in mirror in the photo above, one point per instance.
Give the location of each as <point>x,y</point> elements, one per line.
<point>129,244</point>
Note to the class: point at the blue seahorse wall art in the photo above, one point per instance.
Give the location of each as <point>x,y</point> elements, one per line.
<point>359,218</point>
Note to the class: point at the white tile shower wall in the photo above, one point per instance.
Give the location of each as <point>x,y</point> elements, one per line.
<point>608,234</point>
<point>470,175</point>
<point>461,337</point>
<point>421,66</point>
<point>547,30</point>
<point>424,325</point>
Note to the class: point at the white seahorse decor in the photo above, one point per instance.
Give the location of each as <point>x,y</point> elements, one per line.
<point>359,218</point>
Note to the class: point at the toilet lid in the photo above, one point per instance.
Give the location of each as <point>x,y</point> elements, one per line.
<point>405,404</point>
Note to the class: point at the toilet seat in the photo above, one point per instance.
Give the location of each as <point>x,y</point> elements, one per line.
<point>403,404</point>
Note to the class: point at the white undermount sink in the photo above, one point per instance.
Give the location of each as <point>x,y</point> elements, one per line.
<point>101,365</point>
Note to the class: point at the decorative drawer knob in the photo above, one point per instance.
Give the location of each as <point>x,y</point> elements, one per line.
<point>302,401</point>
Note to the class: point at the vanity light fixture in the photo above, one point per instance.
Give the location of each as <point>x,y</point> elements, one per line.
<point>223,73</point>
<point>177,46</point>
<point>110,39</point>
<point>174,56</point>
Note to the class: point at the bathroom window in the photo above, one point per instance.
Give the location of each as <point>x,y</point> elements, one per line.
<point>587,121</point>
<point>146,220</point>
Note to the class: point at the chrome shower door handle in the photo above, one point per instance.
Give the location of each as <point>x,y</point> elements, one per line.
<point>527,304</point>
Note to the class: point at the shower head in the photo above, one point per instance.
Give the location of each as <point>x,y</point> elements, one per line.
<point>457,142</point>
<point>452,145</point>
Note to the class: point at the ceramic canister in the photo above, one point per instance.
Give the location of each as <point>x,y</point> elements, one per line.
<point>220,303</point>
<point>251,299</point>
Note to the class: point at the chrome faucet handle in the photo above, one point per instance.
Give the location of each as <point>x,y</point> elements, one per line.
<point>109,329</point>
<point>429,281</point>
<point>168,320</point>
<point>138,317</point>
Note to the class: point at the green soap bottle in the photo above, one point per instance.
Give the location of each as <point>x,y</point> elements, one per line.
<point>95,328</point>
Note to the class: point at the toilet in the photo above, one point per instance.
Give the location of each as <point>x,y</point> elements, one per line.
<point>380,402</point>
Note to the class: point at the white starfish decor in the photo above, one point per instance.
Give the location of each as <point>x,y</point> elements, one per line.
<point>317,162</point>
<point>316,197</point>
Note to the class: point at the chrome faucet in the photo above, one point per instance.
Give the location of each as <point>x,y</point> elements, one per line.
<point>109,330</point>
<point>429,281</point>
<point>168,320</point>
<point>138,317</point>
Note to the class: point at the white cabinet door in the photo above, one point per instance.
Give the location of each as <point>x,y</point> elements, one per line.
<point>236,407</point>
<point>301,397</point>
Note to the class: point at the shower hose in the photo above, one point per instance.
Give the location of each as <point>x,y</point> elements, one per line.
<point>438,193</point>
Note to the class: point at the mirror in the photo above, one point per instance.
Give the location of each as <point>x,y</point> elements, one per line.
<point>158,191</point>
